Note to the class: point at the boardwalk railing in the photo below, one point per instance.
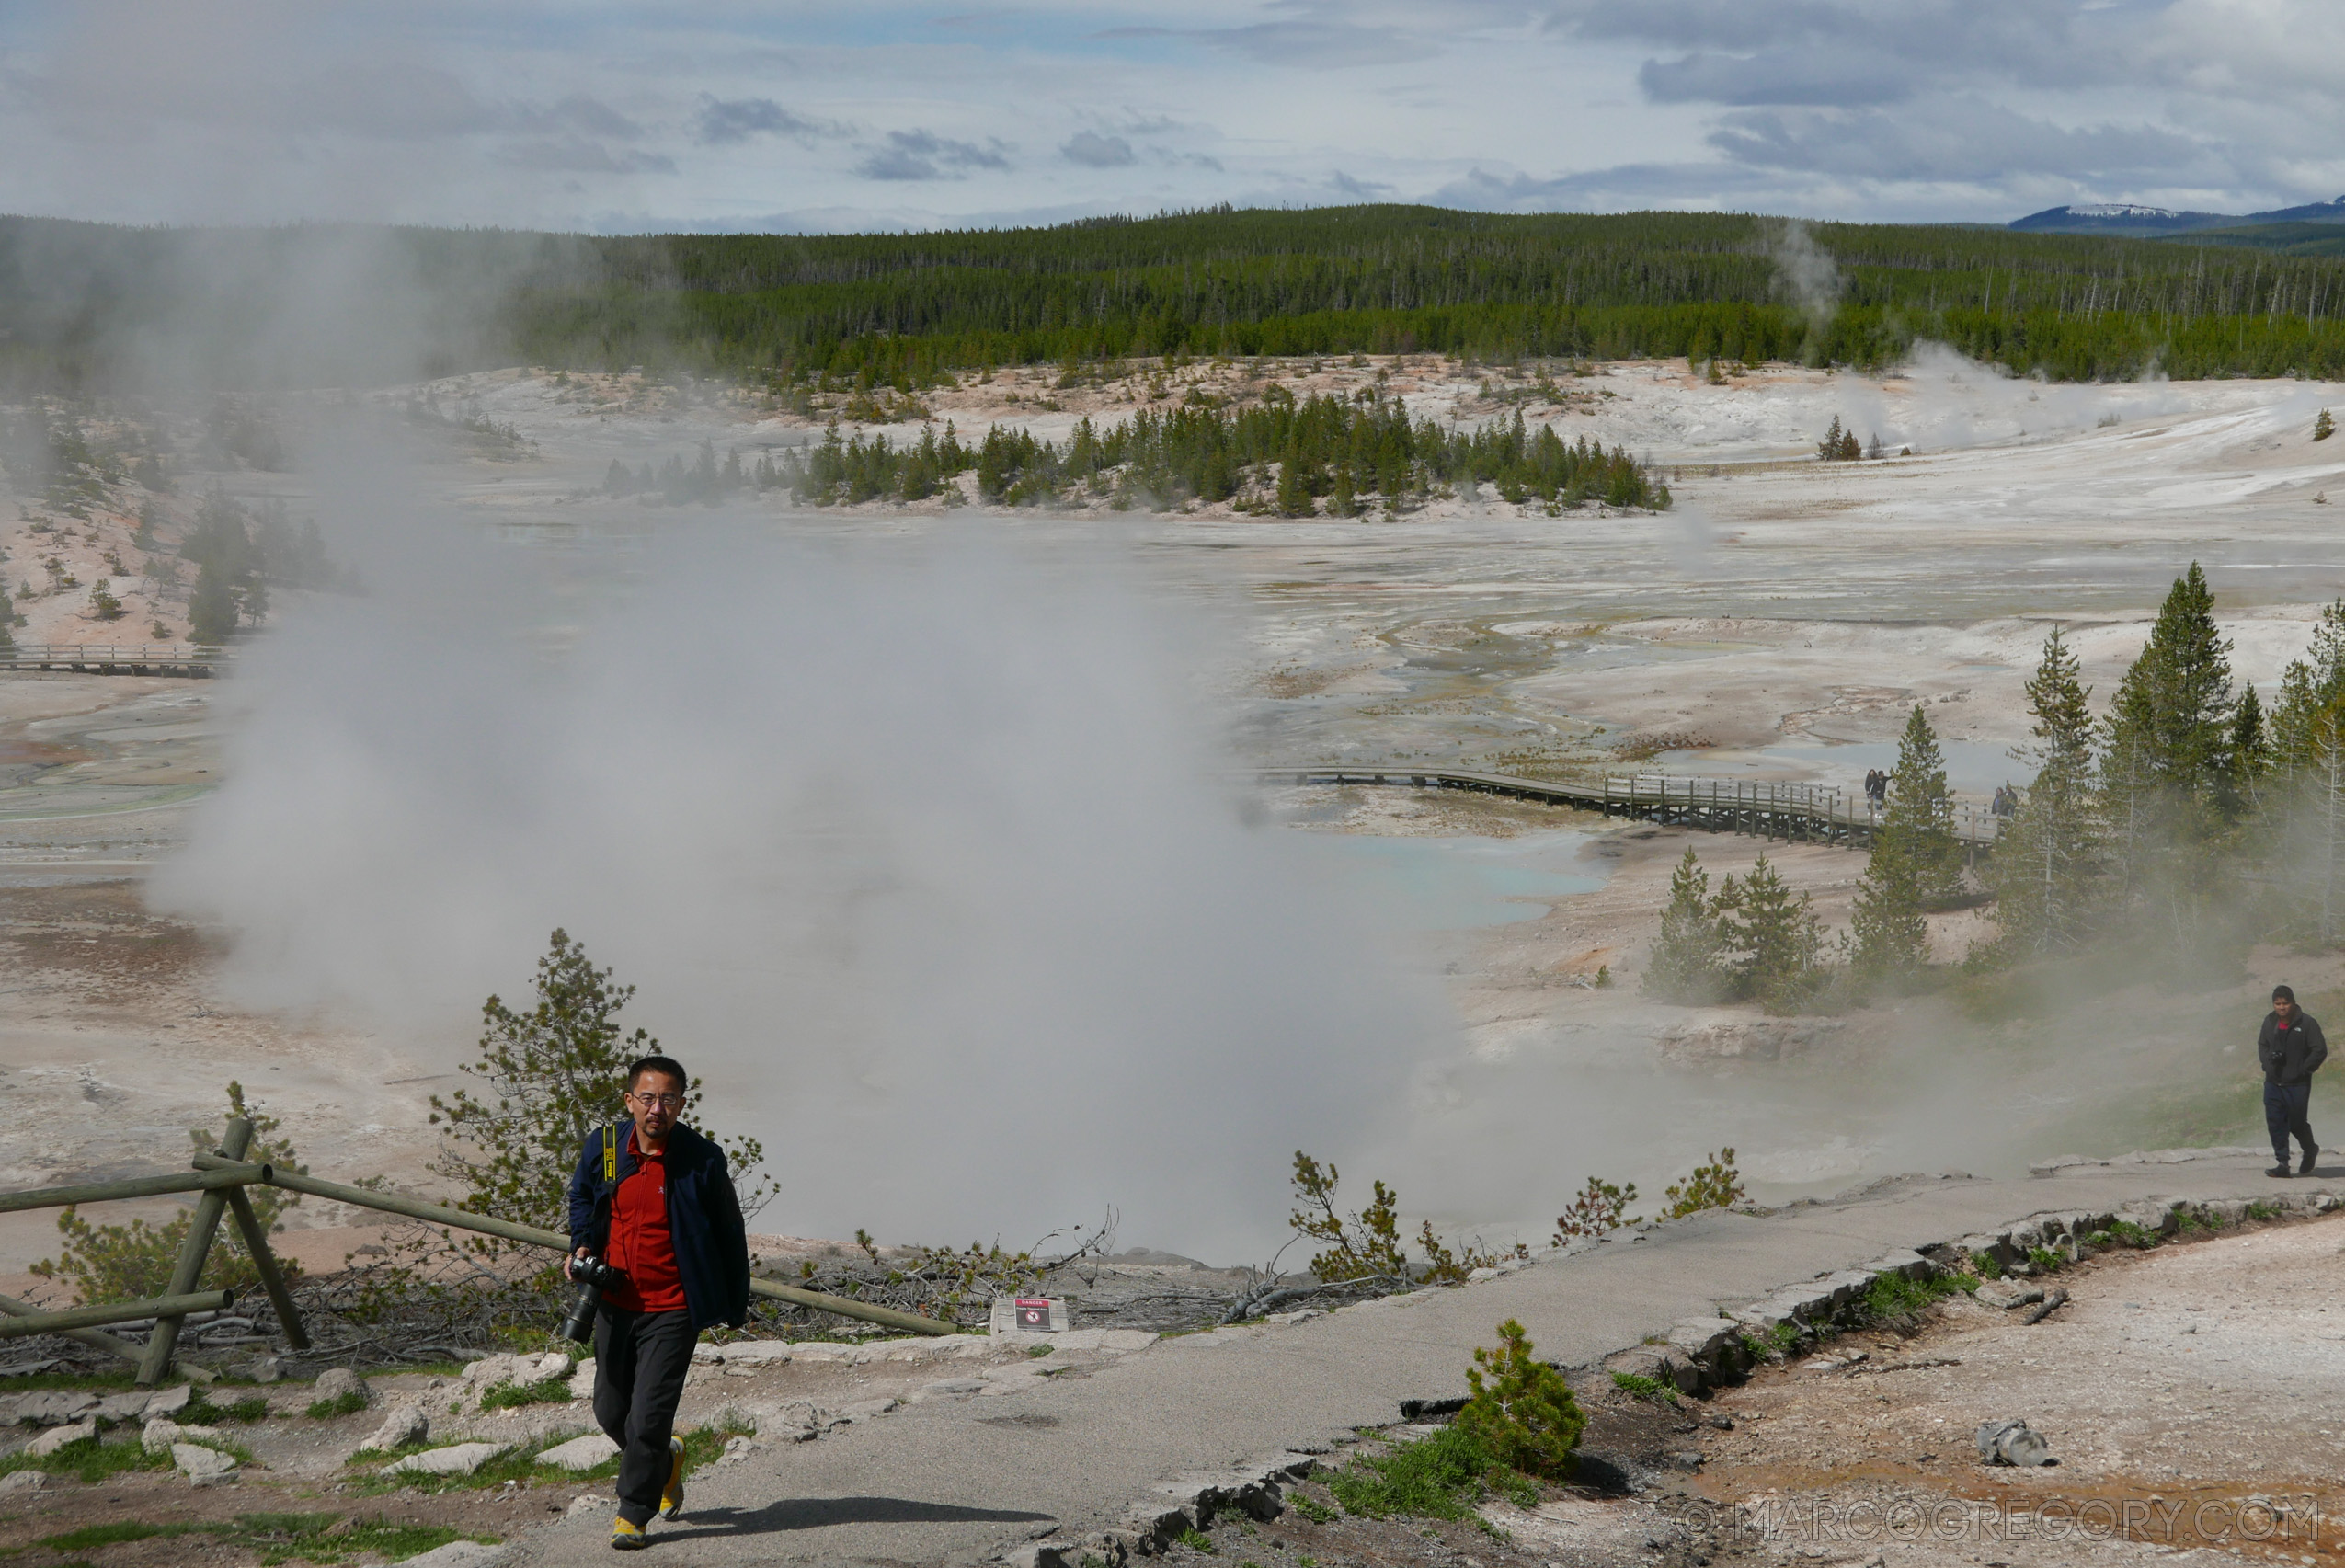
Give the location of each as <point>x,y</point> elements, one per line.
<point>222,1179</point>
<point>1812,813</point>
<point>129,658</point>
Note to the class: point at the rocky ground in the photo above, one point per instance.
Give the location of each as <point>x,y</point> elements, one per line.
<point>478,1470</point>
<point>2187,1394</point>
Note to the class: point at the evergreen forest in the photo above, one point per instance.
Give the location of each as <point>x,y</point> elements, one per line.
<point>81,304</point>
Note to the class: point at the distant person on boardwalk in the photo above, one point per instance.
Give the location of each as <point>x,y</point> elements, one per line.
<point>1876,786</point>
<point>2291,1048</point>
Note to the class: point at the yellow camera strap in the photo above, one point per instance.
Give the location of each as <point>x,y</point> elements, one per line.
<point>610,1151</point>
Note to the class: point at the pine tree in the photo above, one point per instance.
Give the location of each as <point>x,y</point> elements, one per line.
<point>1915,863</point>
<point>1777,935</point>
<point>1687,962</point>
<point>1343,499</point>
<point>2324,427</point>
<point>2249,757</point>
<point>2048,861</point>
<point>2168,758</point>
<point>2310,687</point>
<point>212,608</point>
<point>1294,487</point>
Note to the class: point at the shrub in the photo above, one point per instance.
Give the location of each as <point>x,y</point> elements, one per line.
<point>1894,1296</point>
<point>1715,1186</point>
<point>1524,1413</point>
<point>1367,1245</point>
<point>348,1402</point>
<point>554,1072</point>
<point>128,1263</point>
<point>1600,1210</point>
<point>2324,427</point>
<point>1642,1387</point>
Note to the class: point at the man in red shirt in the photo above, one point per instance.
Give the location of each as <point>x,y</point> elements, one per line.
<point>653,1197</point>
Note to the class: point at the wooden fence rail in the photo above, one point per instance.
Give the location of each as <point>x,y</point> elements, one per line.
<point>1814,813</point>
<point>220,1180</point>
<point>129,658</point>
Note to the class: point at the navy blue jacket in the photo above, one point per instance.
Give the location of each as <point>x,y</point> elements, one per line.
<point>703,1219</point>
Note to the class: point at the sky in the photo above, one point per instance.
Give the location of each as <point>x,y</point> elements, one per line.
<point>726,115</point>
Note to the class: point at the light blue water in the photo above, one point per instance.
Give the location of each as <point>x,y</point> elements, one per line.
<point>1456,883</point>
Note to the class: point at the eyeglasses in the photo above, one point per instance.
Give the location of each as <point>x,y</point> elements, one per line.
<point>670,1101</point>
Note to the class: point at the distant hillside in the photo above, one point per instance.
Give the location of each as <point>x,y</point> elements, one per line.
<point>2159,223</point>
<point>2318,239</point>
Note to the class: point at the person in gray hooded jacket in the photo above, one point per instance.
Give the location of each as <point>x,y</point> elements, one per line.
<point>2291,1048</point>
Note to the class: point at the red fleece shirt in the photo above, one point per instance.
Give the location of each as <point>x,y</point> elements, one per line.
<point>640,1242</point>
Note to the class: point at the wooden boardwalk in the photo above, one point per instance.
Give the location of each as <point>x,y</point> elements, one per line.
<point>143,659</point>
<point>1794,812</point>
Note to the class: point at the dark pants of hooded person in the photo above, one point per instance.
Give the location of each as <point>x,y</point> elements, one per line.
<point>640,1359</point>
<point>2287,1110</point>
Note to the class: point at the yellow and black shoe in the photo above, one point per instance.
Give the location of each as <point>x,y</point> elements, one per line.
<point>671,1496</point>
<point>627,1536</point>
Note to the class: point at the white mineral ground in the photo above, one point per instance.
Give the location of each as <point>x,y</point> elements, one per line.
<point>1779,623</point>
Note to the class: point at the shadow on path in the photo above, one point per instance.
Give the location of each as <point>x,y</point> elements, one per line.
<point>819,1512</point>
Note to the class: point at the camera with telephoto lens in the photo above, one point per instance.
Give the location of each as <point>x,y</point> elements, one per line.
<point>593,1277</point>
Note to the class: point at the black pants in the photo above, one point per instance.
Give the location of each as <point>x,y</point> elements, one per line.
<point>640,1359</point>
<point>2286,1111</point>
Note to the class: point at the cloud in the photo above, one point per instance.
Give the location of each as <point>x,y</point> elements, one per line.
<point>1776,77</point>
<point>1961,139</point>
<point>578,115</point>
<point>577,155</point>
<point>723,122</point>
<point>1321,45</point>
<point>1095,150</point>
<point>923,154</point>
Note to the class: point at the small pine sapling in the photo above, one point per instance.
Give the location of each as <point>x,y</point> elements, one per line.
<point>1600,1210</point>
<point>2324,427</point>
<point>1521,1409</point>
<point>1715,1186</point>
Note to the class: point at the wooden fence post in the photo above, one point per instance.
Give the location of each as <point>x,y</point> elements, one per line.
<point>263,1261</point>
<point>164,1338</point>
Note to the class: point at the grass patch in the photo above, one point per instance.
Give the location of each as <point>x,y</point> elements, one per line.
<point>2123,1233</point>
<point>1642,1387</point>
<point>1314,1510</point>
<point>120,1531</point>
<point>1894,1296</point>
<point>201,1412</point>
<point>89,1461</point>
<point>1197,1541</point>
<point>1441,1477</point>
<point>348,1402</point>
<point>279,1538</point>
<point>97,1383</point>
<point>512,1396</point>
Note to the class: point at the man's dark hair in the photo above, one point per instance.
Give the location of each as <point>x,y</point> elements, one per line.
<point>667,1065</point>
<point>2278,993</point>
